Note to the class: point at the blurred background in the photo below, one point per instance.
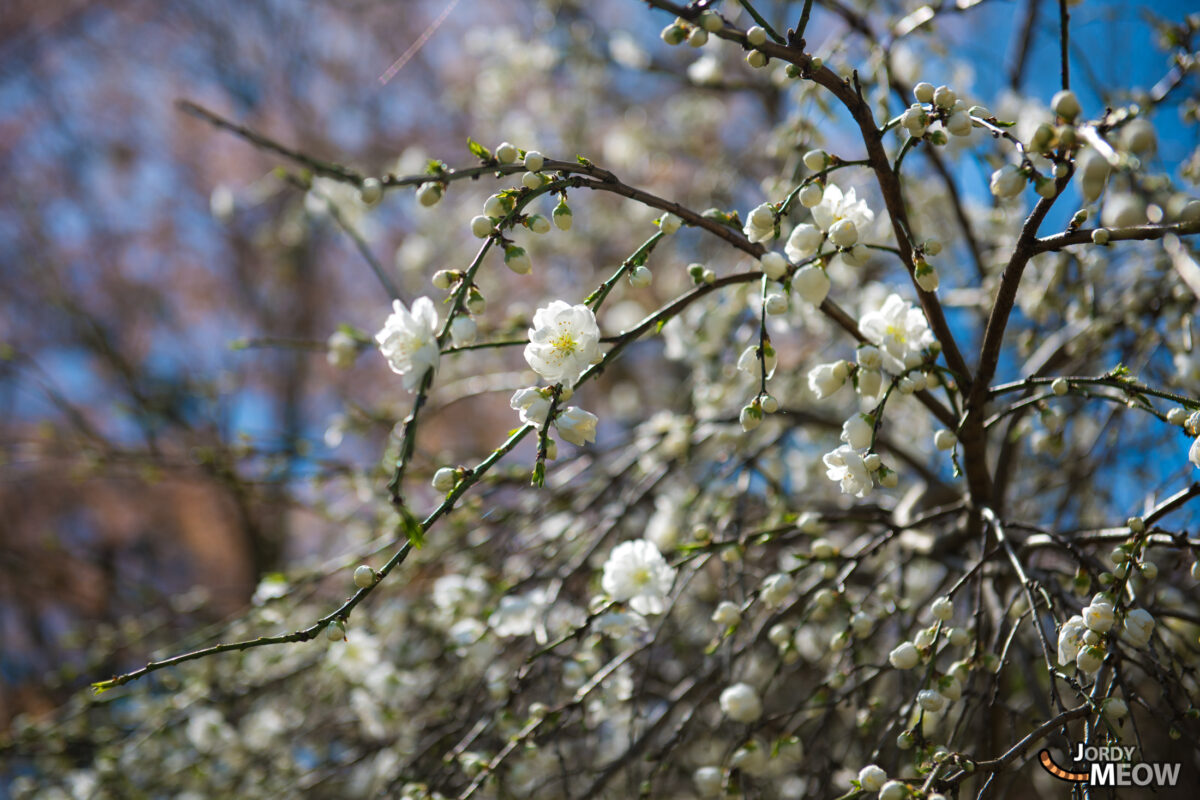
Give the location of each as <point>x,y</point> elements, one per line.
<point>171,431</point>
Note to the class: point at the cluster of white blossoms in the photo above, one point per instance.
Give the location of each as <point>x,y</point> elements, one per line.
<point>563,342</point>
<point>901,344</point>
<point>1082,638</point>
<point>408,341</point>
<point>840,218</point>
<point>636,573</point>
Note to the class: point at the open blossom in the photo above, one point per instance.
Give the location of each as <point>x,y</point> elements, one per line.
<point>637,572</point>
<point>563,342</point>
<point>846,466</point>
<point>1194,452</point>
<point>408,340</point>
<point>1070,639</point>
<point>900,330</point>
<point>532,404</point>
<point>518,615</point>
<point>836,207</point>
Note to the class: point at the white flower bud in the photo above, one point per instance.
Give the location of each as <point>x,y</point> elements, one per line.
<point>750,417</point>
<point>756,35</point>
<point>1060,386</point>
<point>1089,660</point>
<point>429,193</point>
<point>445,479</point>
<point>871,778</point>
<point>481,226</point>
<point>1123,210</point>
<point>534,161</point>
<point>538,224</point>
<point>872,461</point>
<point>923,92</point>
<point>463,330</point>
<point>709,781</point>
<point>816,160</point>
<point>497,206</point>
<point>1177,416</point>
<point>335,631</point>
<point>698,37</point>
<point>775,589</point>
<point>931,700</point>
<point>640,277</point>
<point>861,624</point>
<point>727,614</point>
<point>371,191</point>
<point>342,350</point>
<point>944,439</point>
<point>711,22</point>
<point>1138,627</point>
<point>942,608</point>
<point>843,233</point>
<point>959,124</point>
<point>442,279</point>
<point>1008,181</point>
<point>932,247</point>
<point>757,59</point>
<point>1100,236</point>
<point>562,216</point>
<point>506,153</point>
<point>776,303</point>
<point>810,195</point>
<point>926,275</point>
<point>673,34</point>
<point>893,790</point>
<point>869,382</point>
<point>364,577</point>
<point>944,97</point>
<point>669,223</point>
<point>741,703</point>
<point>516,259</point>
<point>905,656</point>
<point>1116,709</point>
<point>531,180</point>
<point>773,265</point>
<point>858,430</point>
<point>812,284</point>
<point>1066,105</point>
<point>888,478</point>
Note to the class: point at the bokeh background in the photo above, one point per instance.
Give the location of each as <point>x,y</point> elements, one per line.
<point>170,429</point>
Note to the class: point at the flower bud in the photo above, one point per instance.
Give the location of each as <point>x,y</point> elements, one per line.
<point>506,153</point>
<point>942,608</point>
<point>905,656</point>
<point>669,223</point>
<point>445,479</point>
<point>562,216</point>
<point>812,284</point>
<point>923,92</point>
<point>944,440</point>
<point>516,259</point>
<point>816,160</point>
<point>871,778</point>
<point>364,577</point>
<point>463,330</point>
<point>926,276</point>
<point>1060,386</point>
<point>773,265</point>
<point>757,59</point>
<point>810,195</point>
<point>673,34</point>
<point>843,233</point>
<point>1008,181</point>
<point>698,37</point>
<point>371,191</point>
<point>1100,236</point>
<point>429,193</point>
<point>538,224</point>
<point>534,161</point>
<point>336,631</point>
<point>776,303</point>
<point>481,226</point>
<point>1066,105</point>
<point>756,35</point>
<point>711,22</point>
<point>531,180</point>
<point>944,97</point>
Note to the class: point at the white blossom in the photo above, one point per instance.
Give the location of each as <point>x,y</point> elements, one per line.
<point>518,615</point>
<point>760,224</point>
<point>741,703</point>
<point>825,379</point>
<point>533,405</point>
<point>576,425</point>
<point>836,207</point>
<point>857,430</point>
<point>1138,627</point>
<point>900,330</point>
<point>846,466</point>
<point>905,656</point>
<point>1070,639</point>
<point>563,342</point>
<point>408,340</point>
<point>811,283</point>
<point>636,572</point>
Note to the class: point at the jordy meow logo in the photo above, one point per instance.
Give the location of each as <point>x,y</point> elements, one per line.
<point>1111,766</point>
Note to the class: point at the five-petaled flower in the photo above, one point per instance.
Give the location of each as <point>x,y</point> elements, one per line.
<point>408,340</point>
<point>636,572</point>
<point>563,342</point>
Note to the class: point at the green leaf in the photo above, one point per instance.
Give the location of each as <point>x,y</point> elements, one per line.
<point>100,687</point>
<point>539,474</point>
<point>584,161</point>
<point>413,530</point>
<point>478,150</point>
<point>435,167</point>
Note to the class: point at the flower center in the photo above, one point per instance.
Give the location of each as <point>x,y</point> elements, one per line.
<point>640,577</point>
<point>897,333</point>
<point>564,344</point>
